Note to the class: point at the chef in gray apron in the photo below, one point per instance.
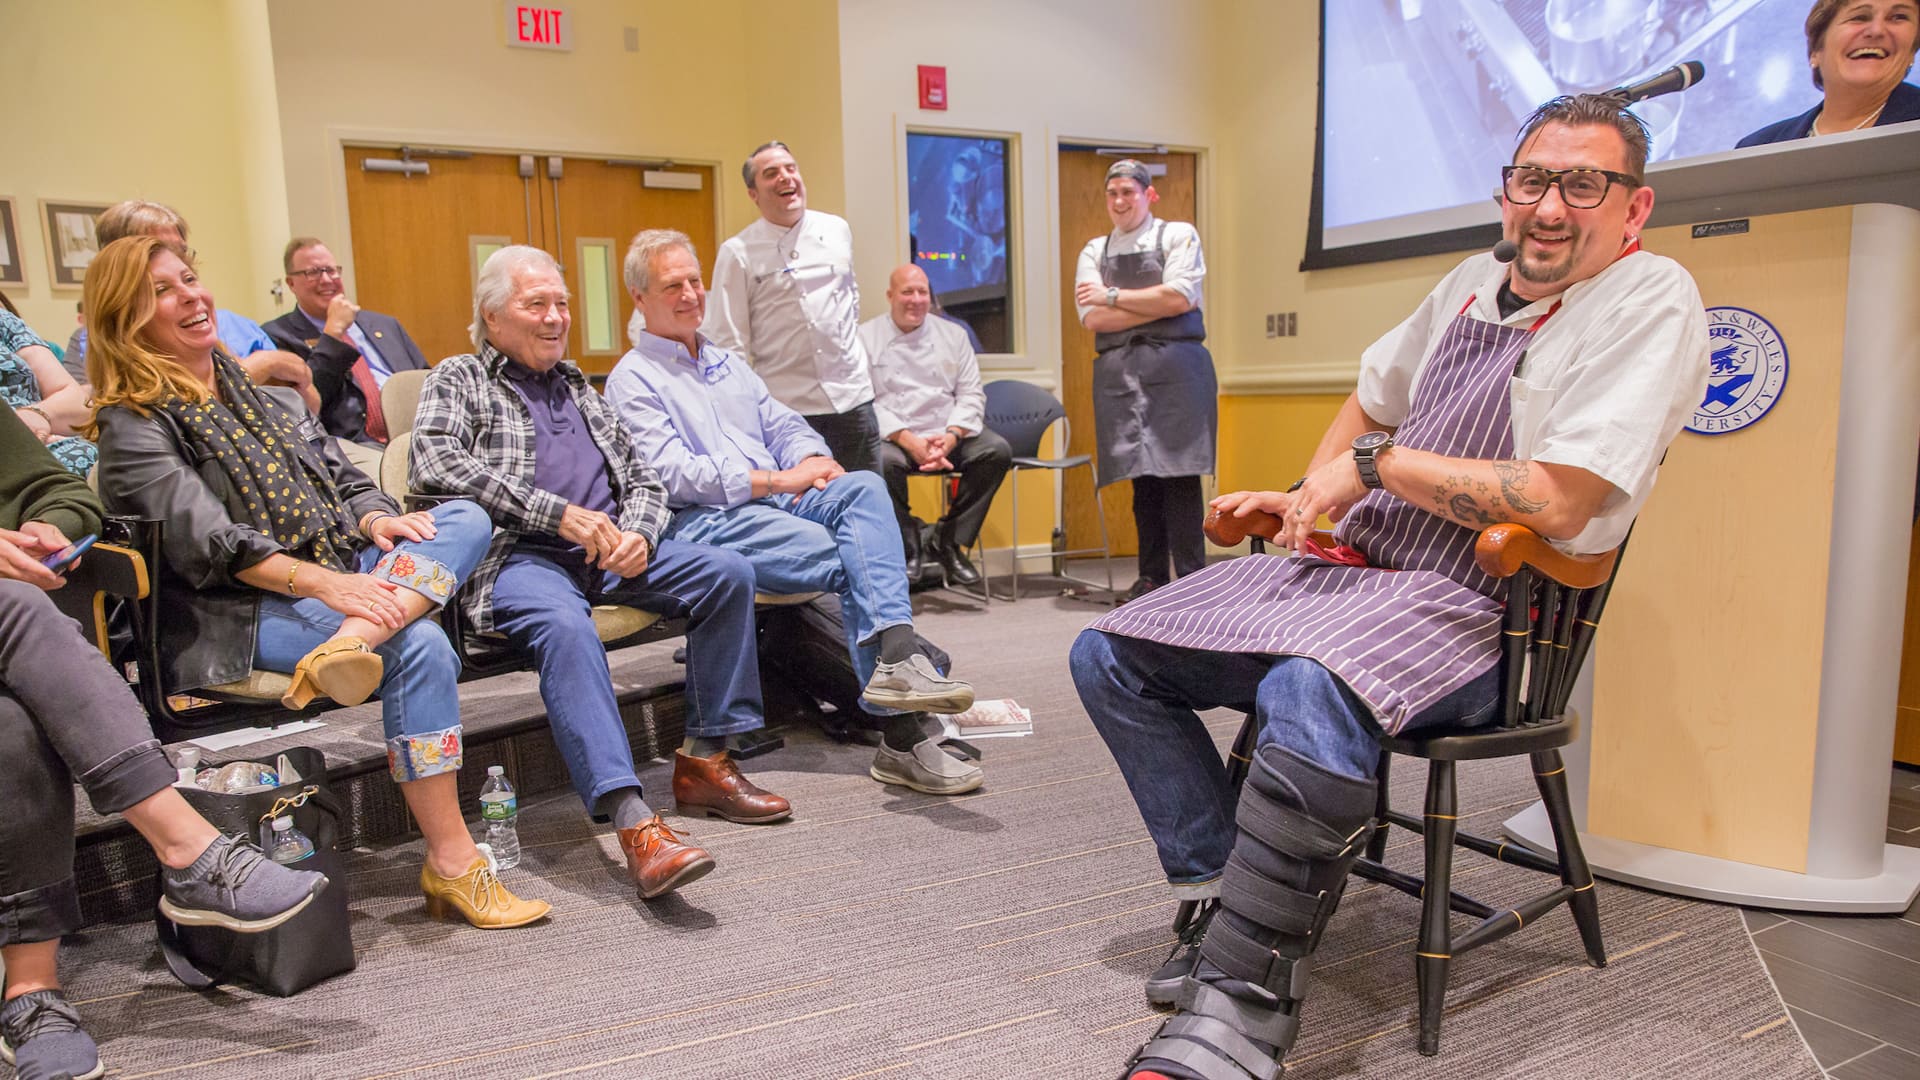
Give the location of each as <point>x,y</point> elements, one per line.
<point>1155,401</point>
<point>1542,393</point>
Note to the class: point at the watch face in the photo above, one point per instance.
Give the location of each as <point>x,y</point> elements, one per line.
<point>1372,440</point>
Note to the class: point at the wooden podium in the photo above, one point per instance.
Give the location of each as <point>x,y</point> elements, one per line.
<point>1741,692</point>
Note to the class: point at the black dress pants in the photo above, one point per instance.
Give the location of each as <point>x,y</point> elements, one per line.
<point>1168,515</point>
<point>852,436</point>
<point>983,461</point>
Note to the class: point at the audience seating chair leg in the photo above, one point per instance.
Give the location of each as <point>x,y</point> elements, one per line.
<point>1550,774</point>
<point>1377,843</point>
<point>1434,952</point>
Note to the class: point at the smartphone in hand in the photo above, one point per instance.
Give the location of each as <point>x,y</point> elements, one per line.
<point>60,561</point>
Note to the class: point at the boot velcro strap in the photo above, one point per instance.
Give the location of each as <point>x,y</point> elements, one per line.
<point>1258,1022</point>
<point>1288,830</point>
<point>1260,899</point>
<point>1215,1051</point>
<point>1244,958</point>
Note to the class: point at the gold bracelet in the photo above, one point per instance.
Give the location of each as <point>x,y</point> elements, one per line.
<point>291,571</point>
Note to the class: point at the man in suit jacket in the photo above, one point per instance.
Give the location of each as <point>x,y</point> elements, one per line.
<point>352,352</point>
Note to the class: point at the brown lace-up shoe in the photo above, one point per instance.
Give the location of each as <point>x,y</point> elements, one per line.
<point>658,861</point>
<point>713,787</point>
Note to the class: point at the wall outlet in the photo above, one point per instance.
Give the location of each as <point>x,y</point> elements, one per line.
<point>1283,324</point>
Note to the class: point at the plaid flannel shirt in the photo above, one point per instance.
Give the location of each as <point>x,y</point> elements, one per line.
<point>473,437</point>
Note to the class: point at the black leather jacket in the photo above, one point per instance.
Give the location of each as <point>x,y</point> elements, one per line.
<point>148,471</point>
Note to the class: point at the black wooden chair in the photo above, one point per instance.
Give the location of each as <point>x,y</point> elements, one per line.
<point>1553,607</point>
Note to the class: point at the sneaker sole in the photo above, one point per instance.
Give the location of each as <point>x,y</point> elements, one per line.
<point>197,917</point>
<point>99,1068</point>
<point>953,701</point>
<point>958,786</point>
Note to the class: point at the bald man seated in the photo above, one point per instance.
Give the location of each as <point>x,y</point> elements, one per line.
<point>927,395</point>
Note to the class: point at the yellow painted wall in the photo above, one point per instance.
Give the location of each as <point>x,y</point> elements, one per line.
<point>1266,440</point>
<point>710,82</point>
<point>123,101</point>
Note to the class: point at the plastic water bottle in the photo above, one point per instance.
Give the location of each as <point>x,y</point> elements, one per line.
<point>499,809</point>
<point>290,845</point>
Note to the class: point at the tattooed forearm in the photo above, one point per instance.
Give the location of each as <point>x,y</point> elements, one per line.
<point>1513,481</point>
<point>1465,508</point>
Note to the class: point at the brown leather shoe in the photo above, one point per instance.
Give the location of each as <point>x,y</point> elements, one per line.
<point>658,861</point>
<point>713,787</point>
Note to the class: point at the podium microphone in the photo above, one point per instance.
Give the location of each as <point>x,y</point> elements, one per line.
<point>1671,81</point>
<point>1506,251</point>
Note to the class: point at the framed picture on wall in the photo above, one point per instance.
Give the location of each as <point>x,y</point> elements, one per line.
<point>13,268</point>
<point>70,242</point>
<point>959,230</point>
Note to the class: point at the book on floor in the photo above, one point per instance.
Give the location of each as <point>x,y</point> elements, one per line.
<point>996,717</point>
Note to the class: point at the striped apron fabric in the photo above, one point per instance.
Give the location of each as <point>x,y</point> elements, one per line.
<point>1417,623</point>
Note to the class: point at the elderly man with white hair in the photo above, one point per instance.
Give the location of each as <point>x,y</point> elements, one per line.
<point>578,515</point>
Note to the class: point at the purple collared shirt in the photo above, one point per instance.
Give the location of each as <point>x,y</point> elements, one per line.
<point>566,461</point>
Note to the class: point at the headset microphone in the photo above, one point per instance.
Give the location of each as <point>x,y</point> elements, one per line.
<point>1506,251</point>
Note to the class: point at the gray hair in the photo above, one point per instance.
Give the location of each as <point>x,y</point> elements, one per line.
<point>495,285</point>
<point>637,271</point>
<point>746,167</point>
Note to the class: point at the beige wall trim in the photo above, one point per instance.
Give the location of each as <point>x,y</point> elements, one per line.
<point>1297,379</point>
<point>1045,378</point>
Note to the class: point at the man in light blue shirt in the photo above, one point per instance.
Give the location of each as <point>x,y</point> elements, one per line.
<point>746,473</point>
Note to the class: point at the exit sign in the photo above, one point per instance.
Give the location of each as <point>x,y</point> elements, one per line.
<point>536,26</point>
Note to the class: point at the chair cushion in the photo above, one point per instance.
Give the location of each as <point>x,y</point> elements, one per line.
<point>784,599</point>
<point>613,621</point>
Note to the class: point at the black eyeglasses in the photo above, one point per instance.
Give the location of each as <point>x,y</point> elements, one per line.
<point>1581,189</point>
<point>315,272</point>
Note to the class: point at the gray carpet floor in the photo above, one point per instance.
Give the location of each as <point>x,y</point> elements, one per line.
<point>883,933</point>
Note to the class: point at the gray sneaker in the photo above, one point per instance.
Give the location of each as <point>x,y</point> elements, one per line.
<point>234,886</point>
<point>926,768</point>
<point>914,685</point>
<point>41,1037</point>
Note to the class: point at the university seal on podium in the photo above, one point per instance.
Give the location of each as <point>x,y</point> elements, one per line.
<point>1746,373</point>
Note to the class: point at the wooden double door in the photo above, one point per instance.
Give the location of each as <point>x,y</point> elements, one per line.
<point>1083,216</point>
<point>419,239</point>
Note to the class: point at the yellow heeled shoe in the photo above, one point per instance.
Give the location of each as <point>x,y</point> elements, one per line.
<point>478,897</point>
<point>343,669</point>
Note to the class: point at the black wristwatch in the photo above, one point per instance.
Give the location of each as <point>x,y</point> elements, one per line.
<point>1365,448</point>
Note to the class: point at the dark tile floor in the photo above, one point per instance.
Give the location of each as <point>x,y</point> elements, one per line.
<point>1852,982</point>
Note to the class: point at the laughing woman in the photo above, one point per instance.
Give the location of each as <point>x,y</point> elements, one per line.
<point>291,559</point>
<point>1860,52</point>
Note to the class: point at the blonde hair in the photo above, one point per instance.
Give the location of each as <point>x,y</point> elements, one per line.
<point>123,367</point>
<point>137,217</point>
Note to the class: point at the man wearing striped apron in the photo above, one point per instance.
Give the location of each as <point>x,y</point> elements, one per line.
<point>1543,393</point>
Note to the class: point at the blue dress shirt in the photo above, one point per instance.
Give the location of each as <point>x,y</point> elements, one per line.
<point>705,424</point>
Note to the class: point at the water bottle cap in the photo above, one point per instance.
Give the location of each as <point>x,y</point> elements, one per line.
<point>496,770</point>
<point>282,824</point>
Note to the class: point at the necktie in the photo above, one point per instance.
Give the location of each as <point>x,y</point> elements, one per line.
<point>363,378</point>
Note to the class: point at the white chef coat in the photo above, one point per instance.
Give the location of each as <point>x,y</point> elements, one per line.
<point>1186,268</point>
<point>926,380</point>
<point>786,300</point>
<point>1606,384</point>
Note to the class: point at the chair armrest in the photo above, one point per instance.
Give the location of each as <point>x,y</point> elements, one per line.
<point>1503,549</point>
<point>1227,530</point>
<point>416,501</point>
<point>105,570</point>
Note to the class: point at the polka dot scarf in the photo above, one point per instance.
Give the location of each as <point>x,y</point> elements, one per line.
<point>280,487</point>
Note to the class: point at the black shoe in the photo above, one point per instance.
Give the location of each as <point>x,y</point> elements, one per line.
<point>916,566</point>
<point>954,561</point>
<point>1163,986</point>
<point>1140,588</point>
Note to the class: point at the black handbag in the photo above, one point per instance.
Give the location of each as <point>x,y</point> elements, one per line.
<point>313,945</point>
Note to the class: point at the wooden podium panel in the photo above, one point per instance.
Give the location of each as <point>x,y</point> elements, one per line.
<point>1707,744</point>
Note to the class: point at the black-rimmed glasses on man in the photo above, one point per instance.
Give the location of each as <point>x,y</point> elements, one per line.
<point>315,272</point>
<point>1581,189</point>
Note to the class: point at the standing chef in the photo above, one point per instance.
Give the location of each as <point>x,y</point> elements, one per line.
<point>1155,401</point>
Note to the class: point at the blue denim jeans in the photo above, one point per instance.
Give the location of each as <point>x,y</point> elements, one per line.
<point>419,708</point>
<point>841,540</point>
<point>1142,697</point>
<point>543,599</point>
